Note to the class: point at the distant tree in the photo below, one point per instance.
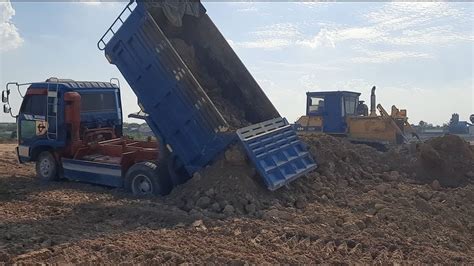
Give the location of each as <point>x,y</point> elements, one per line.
<point>422,124</point>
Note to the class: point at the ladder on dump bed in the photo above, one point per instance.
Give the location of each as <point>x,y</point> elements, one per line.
<point>116,25</point>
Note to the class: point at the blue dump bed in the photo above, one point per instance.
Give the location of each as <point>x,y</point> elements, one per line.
<point>195,92</point>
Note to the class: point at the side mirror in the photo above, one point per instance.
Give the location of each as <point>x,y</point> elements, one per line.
<point>5,96</point>
<point>6,108</point>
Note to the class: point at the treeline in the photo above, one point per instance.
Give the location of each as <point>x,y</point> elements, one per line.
<point>7,131</point>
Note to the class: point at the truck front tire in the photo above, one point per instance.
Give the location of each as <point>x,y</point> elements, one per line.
<point>143,179</point>
<point>46,167</point>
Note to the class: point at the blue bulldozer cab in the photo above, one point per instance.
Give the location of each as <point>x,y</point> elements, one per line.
<point>333,107</point>
<point>195,93</point>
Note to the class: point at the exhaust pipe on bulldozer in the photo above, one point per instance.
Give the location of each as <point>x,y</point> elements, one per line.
<point>372,102</point>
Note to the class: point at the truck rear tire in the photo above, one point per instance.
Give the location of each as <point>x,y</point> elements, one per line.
<point>143,179</point>
<point>46,167</point>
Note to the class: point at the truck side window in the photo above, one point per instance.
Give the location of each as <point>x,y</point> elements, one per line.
<point>98,102</point>
<point>34,105</point>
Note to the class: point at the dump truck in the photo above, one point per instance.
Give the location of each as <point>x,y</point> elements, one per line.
<point>193,92</point>
<point>341,113</point>
<point>73,130</point>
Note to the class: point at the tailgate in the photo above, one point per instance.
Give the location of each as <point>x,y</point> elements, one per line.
<point>279,156</point>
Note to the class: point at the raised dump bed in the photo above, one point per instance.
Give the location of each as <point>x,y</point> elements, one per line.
<point>193,89</point>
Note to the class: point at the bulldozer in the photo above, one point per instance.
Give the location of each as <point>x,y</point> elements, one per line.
<point>342,113</point>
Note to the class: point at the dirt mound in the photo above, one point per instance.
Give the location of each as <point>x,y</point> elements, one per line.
<point>342,160</point>
<point>448,159</point>
<point>353,208</point>
<point>230,186</point>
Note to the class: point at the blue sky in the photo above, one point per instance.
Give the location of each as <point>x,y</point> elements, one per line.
<point>419,55</point>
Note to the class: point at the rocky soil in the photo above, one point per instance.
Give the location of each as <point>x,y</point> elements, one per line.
<point>361,205</point>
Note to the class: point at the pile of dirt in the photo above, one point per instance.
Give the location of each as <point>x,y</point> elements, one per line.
<point>353,208</point>
<point>228,187</point>
<point>342,161</point>
<point>448,159</point>
<point>231,186</point>
<point>359,205</point>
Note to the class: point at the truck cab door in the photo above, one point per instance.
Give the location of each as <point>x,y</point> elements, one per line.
<point>31,121</point>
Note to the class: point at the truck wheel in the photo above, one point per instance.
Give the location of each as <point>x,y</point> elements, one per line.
<point>46,167</point>
<point>142,179</point>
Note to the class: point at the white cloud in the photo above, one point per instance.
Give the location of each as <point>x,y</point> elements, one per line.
<point>324,38</point>
<point>329,37</point>
<point>388,56</point>
<point>401,27</point>
<point>310,82</point>
<point>312,4</point>
<point>300,66</point>
<point>402,24</point>
<point>271,37</point>
<point>267,44</point>
<point>421,23</point>
<point>92,2</point>
<point>279,30</point>
<point>100,3</point>
<point>245,6</point>
<point>359,33</point>
<point>9,36</point>
<point>402,15</point>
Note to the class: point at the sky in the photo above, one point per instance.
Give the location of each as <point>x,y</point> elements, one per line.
<point>420,55</point>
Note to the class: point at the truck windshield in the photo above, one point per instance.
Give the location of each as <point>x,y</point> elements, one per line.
<point>34,105</point>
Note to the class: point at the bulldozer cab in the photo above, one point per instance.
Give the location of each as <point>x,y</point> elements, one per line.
<point>333,107</point>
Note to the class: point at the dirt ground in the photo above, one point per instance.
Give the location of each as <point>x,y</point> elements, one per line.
<point>361,205</point>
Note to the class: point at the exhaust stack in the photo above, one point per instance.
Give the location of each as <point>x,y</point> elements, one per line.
<point>73,114</point>
<point>372,102</point>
